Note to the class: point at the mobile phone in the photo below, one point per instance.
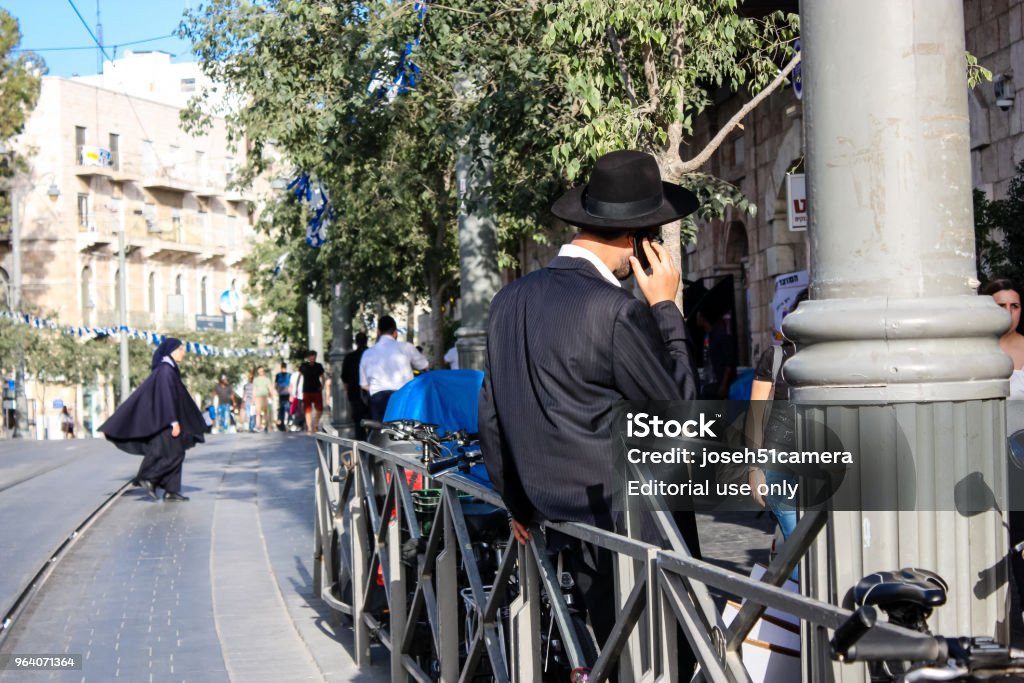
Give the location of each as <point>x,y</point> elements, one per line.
<point>638,247</point>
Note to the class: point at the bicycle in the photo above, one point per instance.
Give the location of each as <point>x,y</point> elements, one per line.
<point>908,597</point>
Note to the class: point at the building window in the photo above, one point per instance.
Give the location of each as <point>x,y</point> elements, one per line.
<point>188,85</point>
<point>203,284</point>
<point>83,213</point>
<point>177,285</point>
<point>79,143</point>
<point>115,151</point>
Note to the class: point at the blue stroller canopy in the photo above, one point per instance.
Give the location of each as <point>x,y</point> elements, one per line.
<point>446,398</point>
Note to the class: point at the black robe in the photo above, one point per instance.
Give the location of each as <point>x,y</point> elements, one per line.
<point>159,401</point>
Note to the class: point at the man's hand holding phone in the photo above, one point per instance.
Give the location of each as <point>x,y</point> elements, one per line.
<point>663,282</point>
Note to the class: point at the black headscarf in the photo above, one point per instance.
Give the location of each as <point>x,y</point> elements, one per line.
<point>166,348</point>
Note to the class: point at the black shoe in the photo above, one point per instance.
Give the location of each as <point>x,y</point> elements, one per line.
<point>149,486</point>
<point>169,495</point>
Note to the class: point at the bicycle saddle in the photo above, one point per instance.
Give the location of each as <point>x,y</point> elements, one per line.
<point>918,587</point>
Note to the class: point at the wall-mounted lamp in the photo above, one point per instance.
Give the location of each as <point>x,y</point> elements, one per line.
<point>1002,85</point>
<point>54,191</point>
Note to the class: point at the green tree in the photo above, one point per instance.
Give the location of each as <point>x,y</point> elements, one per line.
<point>999,232</point>
<point>640,73</point>
<point>543,89</point>
<point>20,78</point>
<point>315,79</point>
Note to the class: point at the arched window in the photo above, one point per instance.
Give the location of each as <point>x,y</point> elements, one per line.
<point>177,284</point>
<point>203,294</point>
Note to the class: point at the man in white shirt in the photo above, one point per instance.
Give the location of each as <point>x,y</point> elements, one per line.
<point>387,366</point>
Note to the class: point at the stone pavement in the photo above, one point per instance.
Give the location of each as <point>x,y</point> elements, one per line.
<point>215,589</point>
<point>47,488</point>
<point>218,588</point>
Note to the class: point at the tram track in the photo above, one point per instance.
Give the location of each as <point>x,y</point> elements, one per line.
<point>39,578</point>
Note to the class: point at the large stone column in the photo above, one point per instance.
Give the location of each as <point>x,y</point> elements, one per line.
<point>341,345</point>
<point>895,331</point>
<point>478,253</point>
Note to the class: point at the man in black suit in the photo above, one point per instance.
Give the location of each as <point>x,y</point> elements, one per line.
<point>566,343</point>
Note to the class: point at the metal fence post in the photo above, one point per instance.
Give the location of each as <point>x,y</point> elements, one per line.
<point>397,578</point>
<point>525,619</point>
<point>448,600</point>
<point>360,563</point>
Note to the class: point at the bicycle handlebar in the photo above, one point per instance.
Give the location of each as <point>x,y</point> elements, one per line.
<point>854,642</point>
<point>852,630</point>
<point>902,648</point>
<point>441,465</point>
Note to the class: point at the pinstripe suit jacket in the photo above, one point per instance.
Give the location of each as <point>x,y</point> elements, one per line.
<point>564,345</point>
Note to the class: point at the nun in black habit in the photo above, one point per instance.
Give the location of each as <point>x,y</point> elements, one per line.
<point>159,421</point>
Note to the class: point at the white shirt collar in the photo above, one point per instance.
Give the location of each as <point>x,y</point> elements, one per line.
<point>576,251</point>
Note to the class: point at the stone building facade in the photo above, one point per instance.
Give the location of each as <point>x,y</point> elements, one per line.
<point>758,249</point>
<point>102,160</point>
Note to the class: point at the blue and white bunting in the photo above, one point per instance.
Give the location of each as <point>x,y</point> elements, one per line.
<point>150,336</point>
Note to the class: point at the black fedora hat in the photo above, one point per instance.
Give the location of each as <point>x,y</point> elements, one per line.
<point>625,192</point>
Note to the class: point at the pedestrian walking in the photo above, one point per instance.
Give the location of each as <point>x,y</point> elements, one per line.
<point>159,421</point>
<point>312,391</point>
<point>296,412</point>
<point>248,398</point>
<point>282,383</point>
<point>565,344</point>
<point>67,423</point>
<point>350,380</point>
<point>385,368</point>
<point>451,357</point>
<point>224,400</point>
<point>261,390</point>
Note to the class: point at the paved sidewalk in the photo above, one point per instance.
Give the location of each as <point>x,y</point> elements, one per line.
<point>215,589</point>
<point>218,588</point>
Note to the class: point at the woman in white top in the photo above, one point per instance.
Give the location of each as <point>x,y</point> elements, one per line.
<point>1007,295</point>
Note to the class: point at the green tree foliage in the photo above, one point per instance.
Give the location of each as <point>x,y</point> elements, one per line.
<point>20,74</point>
<point>316,78</point>
<point>538,91</point>
<point>640,73</point>
<point>999,232</point>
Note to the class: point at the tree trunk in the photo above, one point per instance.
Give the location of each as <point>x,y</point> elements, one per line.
<point>437,291</point>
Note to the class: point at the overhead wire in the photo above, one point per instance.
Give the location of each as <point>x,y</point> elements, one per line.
<point>93,47</point>
<point>131,102</point>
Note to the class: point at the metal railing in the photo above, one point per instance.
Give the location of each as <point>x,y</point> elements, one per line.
<point>366,524</point>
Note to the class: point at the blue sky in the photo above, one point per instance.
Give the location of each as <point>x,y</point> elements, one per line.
<point>54,24</point>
